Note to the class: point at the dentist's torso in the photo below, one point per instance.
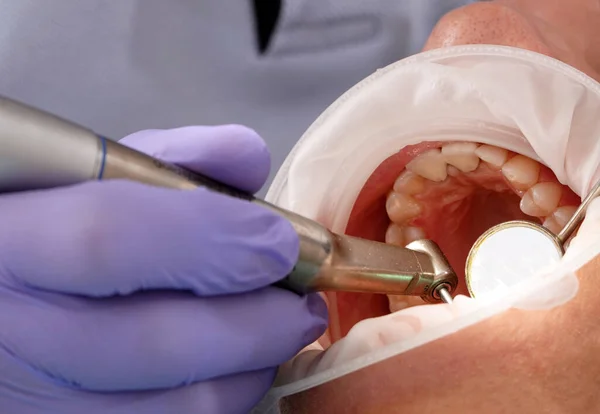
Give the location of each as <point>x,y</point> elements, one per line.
<point>121,66</point>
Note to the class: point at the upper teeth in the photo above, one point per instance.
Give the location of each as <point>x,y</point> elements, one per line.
<point>461,155</point>
<point>495,156</point>
<point>539,199</point>
<point>401,236</point>
<point>402,207</point>
<point>559,218</point>
<point>430,164</point>
<point>409,183</point>
<point>522,172</point>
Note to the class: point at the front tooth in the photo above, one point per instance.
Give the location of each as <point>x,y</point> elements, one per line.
<point>522,172</point>
<point>401,207</point>
<point>412,234</point>
<point>494,156</point>
<point>461,155</point>
<point>541,199</point>
<point>409,183</point>
<point>395,235</point>
<point>430,165</point>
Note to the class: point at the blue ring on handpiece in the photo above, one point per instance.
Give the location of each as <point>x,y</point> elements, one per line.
<point>103,160</point>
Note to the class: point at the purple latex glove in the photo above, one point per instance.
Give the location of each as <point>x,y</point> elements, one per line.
<point>116,297</point>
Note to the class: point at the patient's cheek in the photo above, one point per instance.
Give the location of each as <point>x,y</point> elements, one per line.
<point>485,23</point>
<point>589,292</point>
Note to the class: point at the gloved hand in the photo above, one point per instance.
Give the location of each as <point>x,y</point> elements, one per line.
<point>116,297</point>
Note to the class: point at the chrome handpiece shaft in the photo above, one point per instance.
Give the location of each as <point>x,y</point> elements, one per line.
<point>39,150</point>
<point>327,261</point>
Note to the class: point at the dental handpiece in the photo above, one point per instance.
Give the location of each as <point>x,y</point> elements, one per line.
<point>39,150</point>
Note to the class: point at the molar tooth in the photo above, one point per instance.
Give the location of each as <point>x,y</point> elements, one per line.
<point>401,207</point>
<point>530,208</point>
<point>551,224</point>
<point>412,233</point>
<point>559,218</point>
<point>399,302</point>
<point>409,183</point>
<point>395,235</point>
<point>494,156</point>
<point>522,172</point>
<point>461,155</point>
<point>541,199</point>
<point>563,214</point>
<point>430,164</point>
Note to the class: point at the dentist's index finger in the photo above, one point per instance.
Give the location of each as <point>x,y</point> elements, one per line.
<point>233,154</point>
<point>114,238</point>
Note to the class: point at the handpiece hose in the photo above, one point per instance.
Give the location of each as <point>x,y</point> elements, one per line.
<point>39,150</point>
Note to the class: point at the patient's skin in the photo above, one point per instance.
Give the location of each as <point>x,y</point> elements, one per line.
<point>565,30</point>
<point>519,361</point>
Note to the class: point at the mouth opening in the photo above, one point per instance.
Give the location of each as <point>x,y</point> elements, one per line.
<point>450,192</point>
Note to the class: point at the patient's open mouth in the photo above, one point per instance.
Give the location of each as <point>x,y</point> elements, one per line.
<point>449,192</point>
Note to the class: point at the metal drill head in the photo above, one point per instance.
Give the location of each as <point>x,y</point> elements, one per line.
<point>445,277</point>
<point>441,292</point>
<point>345,263</point>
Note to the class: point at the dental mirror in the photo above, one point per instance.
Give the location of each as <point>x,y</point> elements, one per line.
<point>508,253</point>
